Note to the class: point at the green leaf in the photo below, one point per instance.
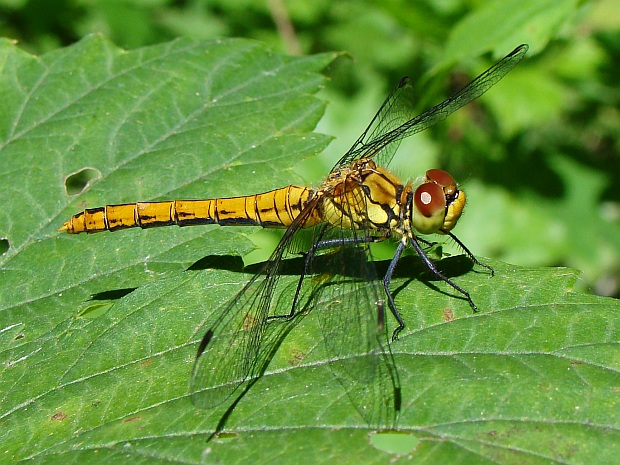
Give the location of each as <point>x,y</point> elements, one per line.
<point>498,25</point>
<point>180,120</point>
<point>98,333</point>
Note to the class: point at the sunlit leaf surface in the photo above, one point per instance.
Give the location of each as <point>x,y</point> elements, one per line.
<point>98,333</point>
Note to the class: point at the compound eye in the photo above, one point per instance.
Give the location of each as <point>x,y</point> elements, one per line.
<point>443,179</point>
<point>429,199</point>
<point>440,177</point>
<point>429,204</point>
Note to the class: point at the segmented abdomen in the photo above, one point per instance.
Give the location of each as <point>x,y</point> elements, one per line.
<point>277,208</point>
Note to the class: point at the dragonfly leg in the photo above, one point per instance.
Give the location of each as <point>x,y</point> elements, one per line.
<point>386,286</point>
<point>308,258</point>
<point>431,266</point>
<point>469,254</point>
<point>426,243</point>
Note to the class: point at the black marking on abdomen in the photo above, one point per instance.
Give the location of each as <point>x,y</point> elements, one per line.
<point>238,222</point>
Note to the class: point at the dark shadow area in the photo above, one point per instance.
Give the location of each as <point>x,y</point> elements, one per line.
<point>113,294</point>
<point>606,150</point>
<point>409,266</point>
<point>516,165</point>
<point>289,267</point>
<point>412,268</point>
<point>218,262</point>
<point>517,174</point>
<point>31,22</point>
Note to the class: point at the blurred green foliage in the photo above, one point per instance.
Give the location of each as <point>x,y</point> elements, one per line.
<point>538,155</point>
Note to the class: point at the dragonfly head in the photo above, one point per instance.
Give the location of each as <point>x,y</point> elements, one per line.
<point>437,203</point>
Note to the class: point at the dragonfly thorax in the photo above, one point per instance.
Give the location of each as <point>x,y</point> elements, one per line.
<point>362,196</point>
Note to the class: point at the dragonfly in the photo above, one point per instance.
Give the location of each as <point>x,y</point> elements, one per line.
<point>359,203</point>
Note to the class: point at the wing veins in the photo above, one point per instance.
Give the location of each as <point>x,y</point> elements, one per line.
<point>386,143</point>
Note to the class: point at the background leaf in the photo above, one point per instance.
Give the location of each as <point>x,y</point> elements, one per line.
<point>143,122</point>
<point>99,332</point>
<point>561,102</point>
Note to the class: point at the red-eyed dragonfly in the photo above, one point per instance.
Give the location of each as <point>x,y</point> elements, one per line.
<point>358,204</point>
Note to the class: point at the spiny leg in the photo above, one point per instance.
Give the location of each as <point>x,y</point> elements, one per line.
<point>469,254</point>
<point>386,286</point>
<point>308,256</point>
<point>431,266</point>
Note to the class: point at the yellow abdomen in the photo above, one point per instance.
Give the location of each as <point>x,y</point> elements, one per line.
<point>277,208</point>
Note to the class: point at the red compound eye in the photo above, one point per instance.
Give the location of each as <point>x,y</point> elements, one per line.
<point>429,208</point>
<point>430,199</point>
<point>442,178</point>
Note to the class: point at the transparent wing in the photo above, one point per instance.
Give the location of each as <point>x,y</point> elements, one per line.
<point>395,111</point>
<point>340,284</point>
<point>351,313</point>
<point>394,121</point>
<point>240,341</point>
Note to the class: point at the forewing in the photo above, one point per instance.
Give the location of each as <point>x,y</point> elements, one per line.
<point>240,340</point>
<point>351,313</point>
<point>393,113</point>
<point>392,124</point>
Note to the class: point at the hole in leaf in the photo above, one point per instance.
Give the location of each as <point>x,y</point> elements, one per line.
<point>394,442</point>
<point>77,182</point>
<point>4,246</point>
